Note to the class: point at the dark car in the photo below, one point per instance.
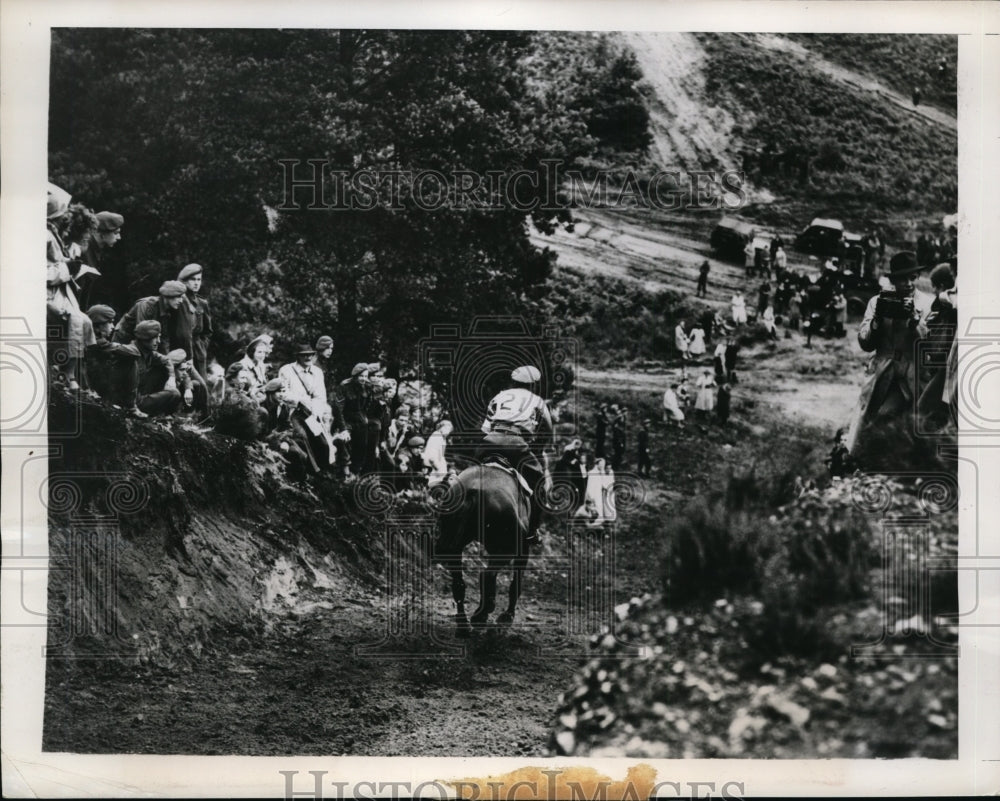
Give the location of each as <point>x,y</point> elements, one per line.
<point>730,237</point>
<point>821,237</point>
<point>851,253</point>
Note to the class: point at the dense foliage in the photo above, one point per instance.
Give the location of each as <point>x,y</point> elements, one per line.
<point>183,132</point>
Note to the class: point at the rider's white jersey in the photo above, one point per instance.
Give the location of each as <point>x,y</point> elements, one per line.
<point>517,407</point>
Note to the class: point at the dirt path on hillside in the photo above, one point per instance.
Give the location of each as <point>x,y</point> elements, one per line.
<point>853,79</point>
<point>370,672</point>
<point>652,248</point>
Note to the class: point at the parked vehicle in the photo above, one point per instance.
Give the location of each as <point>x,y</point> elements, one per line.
<point>730,237</point>
<point>820,237</point>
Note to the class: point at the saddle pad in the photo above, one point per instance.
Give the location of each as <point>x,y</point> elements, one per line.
<point>508,469</point>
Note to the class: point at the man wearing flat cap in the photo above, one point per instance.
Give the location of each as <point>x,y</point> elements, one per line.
<point>109,363</point>
<point>894,322</point>
<point>161,307</point>
<point>516,417</point>
<point>154,382</point>
<point>111,287</point>
<point>196,310</point>
<point>175,330</point>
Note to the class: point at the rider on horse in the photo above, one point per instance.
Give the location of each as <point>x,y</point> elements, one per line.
<point>516,417</point>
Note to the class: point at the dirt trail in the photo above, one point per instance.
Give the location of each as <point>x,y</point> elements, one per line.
<point>652,248</point>
<point>688,133</point>
<point>853,79</point>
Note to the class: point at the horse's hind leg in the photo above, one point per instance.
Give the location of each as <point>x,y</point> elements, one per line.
<point>487,592</point>
<point>458,593</point>
<point>520,562</point>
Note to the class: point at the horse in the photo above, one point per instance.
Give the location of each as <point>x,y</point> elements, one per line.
<point>485,503</point>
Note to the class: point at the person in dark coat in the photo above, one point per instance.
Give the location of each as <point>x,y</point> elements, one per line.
<point>355,394</point>
<point>103,286</point>
<point>840,462</point>
<point>644,462</point>
<point>601,428</point>
<point>108,363</point>
<point>942,321</point>
<point>568,469</point>
<point>617,421</point>
<point>703,271</point>
<point>153,380</point>
<point>161,308</point>
<point>722,399</point>
<point>202,331</point>
<point>283,429</point>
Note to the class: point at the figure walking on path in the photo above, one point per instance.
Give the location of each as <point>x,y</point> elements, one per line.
<point>702,290</point>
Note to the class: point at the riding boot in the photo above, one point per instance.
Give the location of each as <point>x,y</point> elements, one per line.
<point>534,520</point>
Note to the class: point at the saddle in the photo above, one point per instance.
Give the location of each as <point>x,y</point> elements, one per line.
<point>503,464</point>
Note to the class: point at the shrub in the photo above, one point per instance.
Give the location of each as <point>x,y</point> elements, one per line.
<point>811,551</point>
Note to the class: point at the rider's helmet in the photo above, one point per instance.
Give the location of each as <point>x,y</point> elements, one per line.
<point>527,374</point>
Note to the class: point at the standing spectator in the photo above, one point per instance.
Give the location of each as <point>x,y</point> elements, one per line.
<point>682,342</point>
<point>732,352</point>
<point>100,284</point>
<point>434,453</point>
<point>767,320</point>
<point>891,327</point>
<point>942,322</point>
<point>80,228</point>
<point>600,430</point>
<point>780,261</point>
<point>763,297</point>
<point>739,307</point>
<point>684,394</point>
<point>838,308</point>
<point>643,460</point>
<point>355,392</point>
<point>192,276</point>
<point>705,402</point>
<point>617,422</point>
<point>722,404</point>
<point>794,309</point>
<point>76,332</point>
<point>719,358</point>
<point>917,94</point>
<point>671,406</point>
<point>697,342</point>
<point>749,259</point>
<point>569,468</point>
<point>702,290</point>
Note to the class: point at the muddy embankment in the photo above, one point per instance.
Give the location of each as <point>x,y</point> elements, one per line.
<point>163,537</point>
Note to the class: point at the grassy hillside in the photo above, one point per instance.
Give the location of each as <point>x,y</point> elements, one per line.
<point>901,62</point>
<point>866,157</point>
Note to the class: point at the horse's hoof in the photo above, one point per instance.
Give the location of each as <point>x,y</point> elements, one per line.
<point>462,629</point>
<point>479,620</point>
<point>505,620</point>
